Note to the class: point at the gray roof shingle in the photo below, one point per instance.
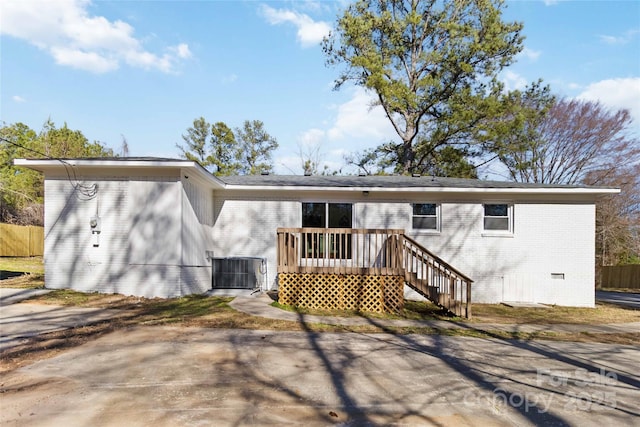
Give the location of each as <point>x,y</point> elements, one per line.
<point>376,181</point>
<point>335,181</point>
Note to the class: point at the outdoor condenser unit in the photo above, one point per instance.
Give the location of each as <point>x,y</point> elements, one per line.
<point>238,272</point>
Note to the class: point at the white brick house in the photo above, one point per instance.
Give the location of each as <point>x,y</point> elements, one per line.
<point>157,222</point>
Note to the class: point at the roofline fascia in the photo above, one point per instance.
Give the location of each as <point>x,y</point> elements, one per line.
<point>582,191</point>
<point>102,163</point>
<point>177,164</point>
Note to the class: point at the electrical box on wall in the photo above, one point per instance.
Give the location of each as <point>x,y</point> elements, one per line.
<point>94,223</point>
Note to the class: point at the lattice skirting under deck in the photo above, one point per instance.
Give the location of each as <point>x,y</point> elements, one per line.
<point>381,294</point>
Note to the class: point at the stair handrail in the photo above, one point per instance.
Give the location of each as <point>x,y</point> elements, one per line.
<point>438,259</point>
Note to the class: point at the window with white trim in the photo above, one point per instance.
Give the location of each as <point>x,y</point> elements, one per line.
<point>498,217</point>
<point>426,216</point>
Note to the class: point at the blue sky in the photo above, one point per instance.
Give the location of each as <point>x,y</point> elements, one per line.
<point>146,69</point>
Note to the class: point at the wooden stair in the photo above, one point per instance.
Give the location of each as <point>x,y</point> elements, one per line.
<point>435,279</point>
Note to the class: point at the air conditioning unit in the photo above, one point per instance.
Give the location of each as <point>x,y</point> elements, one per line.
<point>238,273</point>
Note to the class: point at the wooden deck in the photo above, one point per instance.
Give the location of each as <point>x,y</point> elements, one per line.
<point>331,254</point>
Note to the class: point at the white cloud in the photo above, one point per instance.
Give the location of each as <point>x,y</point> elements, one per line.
<point>287,165</point>
<point>618,94</point>
<point>355,126</point>
<point>610,39</point>
<point>74,38</point>
<point>18,98</point>
<point>312,138</point>
<point>357,118</point>
<point>623,39</point>
<point>182,51</point>
<point>513,81</point>
<point>230,78</point>
<point>530,54</point>
<point>309,33</point>
<point>89,61</point>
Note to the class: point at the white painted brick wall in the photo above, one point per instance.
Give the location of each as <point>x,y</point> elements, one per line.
<point>547,238</point>
<point>140,244</point>
<point>155,230</point>
<point>71,259</point>
<point>197,221</point>
<point>247,226</point>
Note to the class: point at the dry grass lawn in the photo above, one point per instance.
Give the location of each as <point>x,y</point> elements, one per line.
<point>22,264</point>
<point>215,312</point>
<point>601,314</point>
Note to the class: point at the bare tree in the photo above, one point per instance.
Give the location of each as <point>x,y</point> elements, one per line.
<point>573,140</point>
<point>124,147</point>
<point>618,217</point>
<point>310,158</point>
<point>581,142</point>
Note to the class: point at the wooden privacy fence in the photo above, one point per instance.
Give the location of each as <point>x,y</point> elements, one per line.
<point>364,269</point>
<point>19,240</point>
<point>621,276</point>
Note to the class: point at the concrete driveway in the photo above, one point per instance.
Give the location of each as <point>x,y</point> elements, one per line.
<point>19,322</point>
<point>169,376</point>
<point>625,299</point>
<point>13,295</point>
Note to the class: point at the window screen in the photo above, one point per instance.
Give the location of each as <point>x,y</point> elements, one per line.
<point>425,216</point>
<point>496,217</point>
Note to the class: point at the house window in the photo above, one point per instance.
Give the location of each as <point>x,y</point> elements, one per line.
<point>497,217</point>
<point>327,215</point>
<point>314,215</point>
<point>425,216</point>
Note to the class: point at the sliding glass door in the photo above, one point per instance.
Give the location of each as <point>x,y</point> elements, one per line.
<point>338,216</point>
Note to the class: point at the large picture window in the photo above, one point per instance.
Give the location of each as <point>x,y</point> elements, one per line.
<point>497,217</point>
<point>327,215</point>
<point>425,216</point>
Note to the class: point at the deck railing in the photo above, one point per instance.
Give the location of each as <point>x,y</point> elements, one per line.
<point>381,252</point>
<point>340,250</point>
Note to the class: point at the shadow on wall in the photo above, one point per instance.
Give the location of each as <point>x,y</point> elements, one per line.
<point>139,243</point>
<point>197,240</point>
<point>248,228</point>
<point>486,260</point>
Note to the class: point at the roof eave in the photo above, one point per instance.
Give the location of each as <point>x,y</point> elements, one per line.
<point>506,190</point>
<point>42,165</point>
